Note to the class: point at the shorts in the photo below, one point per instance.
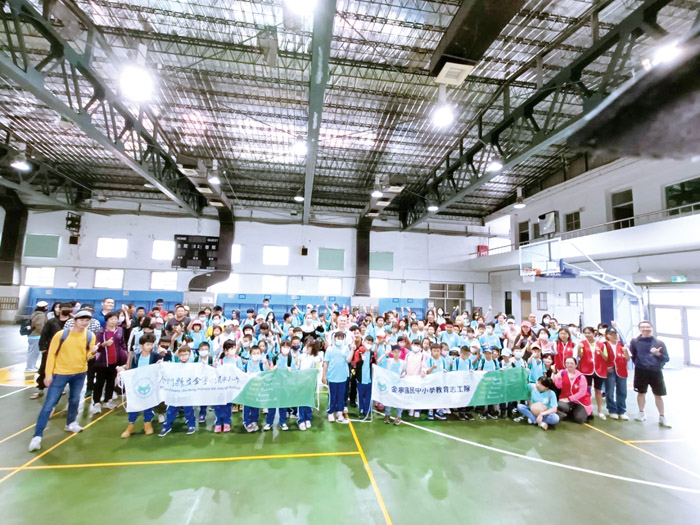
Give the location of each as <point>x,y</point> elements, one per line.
<point>598,382</point>
<point>646,378</point>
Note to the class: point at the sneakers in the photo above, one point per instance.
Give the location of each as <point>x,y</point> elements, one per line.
<point>110,405</point>
<point>641,416</point>
<point>431,415</point>
<point>461,416</point>
<point>284,426</point>
<point>35,443</point>
<point>469,416</point>
<point>31,370</point>
<point>387,420</point>
<point>73,427</point>
<point>518,419</point>
<point>308,425</point>
<point>397,421</point>
<point>340,419</point>
<point>161,418</point>
<point>191,430</point>
<point>203,418</point>
<point>267,427</point>
<point>255,426</point>
<point>440,415</point>
<point>482,417</point>
<point>164,432</point>
<point>663,422</point>
<point>36,394</point>
<point>410,413</point>
<point>217,429</point>
<point>624,417</point>
<point>416,413</point>
<point>345,410</point>
<point>301,425</point>
<point>129,430</point>
<point>95,408</point>
<point>227,428</point>
<point>492,416</point>
<point>613,415</point>
<point>331,418</point>
<point>602,416</point>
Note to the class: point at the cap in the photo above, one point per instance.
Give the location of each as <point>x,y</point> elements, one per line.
<point>486,349</point>
<point>506,352</point>
<point>83,313</point>
<point>42,304</point>
<point>526,323</point>
<point>198,322</point>
<point>259,316</point>
<point>535,345</point>
<point>609,331</point>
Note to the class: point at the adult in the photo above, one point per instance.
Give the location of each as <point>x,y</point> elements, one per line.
<point>564,347</point>
<point>575,399</point>
<point>180,317</point>
<point>265,308</point>
<point>36,325</point>
<point>532,319</point>
<point>54,310</point>
<point>649,356</point>
<point>66,364</point>
<point>616,382</point>
<point>524,339</point>
<point>542,407</point>
<point>50,329</point>
<point>107,306</point>
<point>111,353</point>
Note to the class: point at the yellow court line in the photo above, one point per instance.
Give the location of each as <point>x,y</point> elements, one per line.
<point>37,457</point>
<point>32,426</point>
<point>694,474</point>
<point>657,441</point>
<point>191,460</point>
<point>385,512</point>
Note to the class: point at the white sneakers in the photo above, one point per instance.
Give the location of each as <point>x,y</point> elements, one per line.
<point>161,418</point>
<point>613,415</point>
<point>267,427</point>
<point>35,443</point>
<point>641,416</point>
<point>73,427</point>
<point>331,418</point>
<point>95,408</point>
<point>624,417</point>
<point>663,422</point>
<point>110,405</point>
<point>602,416</point>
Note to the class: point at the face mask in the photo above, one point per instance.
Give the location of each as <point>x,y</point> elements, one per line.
<point>338,343</point>
<point>204,354</point>
<point>295,347</point>
<point>415,349</point>
<point>285,351</point>
<point>202,319</point>
<point>256,357</point>
<point>215,321</point>
<point>246,345</point>
<point>518,355</point>
<point>445,353</point>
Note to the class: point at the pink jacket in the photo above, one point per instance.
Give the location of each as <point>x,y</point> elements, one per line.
<point>575,391</point>
<point>414,363</point>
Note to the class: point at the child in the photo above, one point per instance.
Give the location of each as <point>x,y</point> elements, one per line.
<point>203,356</point>
<point>282,360</point>
<point>145,357</point>
<point>489,365</point>
<point>542,409</point>
<point>362,362</point>
<point>335,375</point>
<point>414,367</point>
<point>309,358</point>
<point>252,367</point>
<point>183,356</point>
<point>463,363</point>
<point>223,412</point>
<point>196,334</point>
<point>435,364</point>
<point>398,366</point>
<point>535,364</point>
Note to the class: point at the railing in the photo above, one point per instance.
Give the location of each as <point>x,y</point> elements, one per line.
<point>630,222</point>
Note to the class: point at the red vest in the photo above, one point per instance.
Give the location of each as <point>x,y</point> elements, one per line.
<point>562,354</point>
<point>586,363</point>
<point>600,364</point>
<point>618,357</point>
<point>568,389</point>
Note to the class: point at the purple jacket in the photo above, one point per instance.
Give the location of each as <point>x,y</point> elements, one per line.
<point>119,343</point>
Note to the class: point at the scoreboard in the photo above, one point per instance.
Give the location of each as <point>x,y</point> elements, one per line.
<point>196,252</point>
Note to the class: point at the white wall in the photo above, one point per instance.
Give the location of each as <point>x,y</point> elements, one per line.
<point>418,258</point>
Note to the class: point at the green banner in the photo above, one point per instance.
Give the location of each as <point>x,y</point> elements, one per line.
<point>502,386</point>
<point>280,388</point>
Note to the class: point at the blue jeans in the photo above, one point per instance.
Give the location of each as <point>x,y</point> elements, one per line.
<point>387,411</point>
<point>223,414</point>
<point>336,396</point>
<point>364,393</point>
<point>550,419</point>
<point>172,412</point>
<point>270,418</point>
<point>616,393</point>
<point>250,415</point>
<point>33,352</point>
<point>147,416</point>
<point>53,394</point>
<point>305,414</point>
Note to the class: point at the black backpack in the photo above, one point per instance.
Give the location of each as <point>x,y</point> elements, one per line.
<point>25,326</point>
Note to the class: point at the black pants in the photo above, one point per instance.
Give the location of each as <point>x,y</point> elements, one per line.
<point>42,372</point>
<point>572,411</point>
<point>90,376</point>
<point>104,379</point>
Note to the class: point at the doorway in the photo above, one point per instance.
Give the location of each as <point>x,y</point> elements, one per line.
<point>525,303</point>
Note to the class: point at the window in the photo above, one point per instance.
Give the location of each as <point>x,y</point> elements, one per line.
<point>163,280</point>
<point>574,299</point>
<point>331,259</point>
<point>379,288</point>
<point>542,301</point>
<point>230,285</point>
<point>163,251</point>
<point>536,230</point>
<point>685,194</point>
<point>113,248</point>
<point>329,286</point>
<point>523,233</point>
<point>381,261</point>
<point>622,209</point>
<point>448,296</point>
<point>573,221</point>
<point>276,284</point>
<point>109,278</point>
<point>41,245</point>
<point>39,276</point>
<point>235,254</point>
<point>276,256</point>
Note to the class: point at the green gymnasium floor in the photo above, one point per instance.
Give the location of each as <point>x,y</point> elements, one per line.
<point>451,472</point>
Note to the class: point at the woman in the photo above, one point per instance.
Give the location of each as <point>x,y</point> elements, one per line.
<point>575,400</point>
<point>545,344</point>
<point>616,381</point>
<point>310,329</point>
<point>564,347</point>
<point>600,374</point>
<point>524,339</point>
<point>542,409</point>
<point>110,354</point>
<point>55,309</point>
<point>585,354</point>
<point>273,324</point>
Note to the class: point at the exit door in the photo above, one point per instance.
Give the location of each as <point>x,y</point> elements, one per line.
<point>525,303</point>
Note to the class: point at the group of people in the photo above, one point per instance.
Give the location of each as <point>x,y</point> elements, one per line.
<point>566,367</point>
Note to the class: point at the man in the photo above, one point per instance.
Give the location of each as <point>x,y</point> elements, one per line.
<point>66,364</point>
<point>180,317</point>
<point>649,356</point>
<point>107,306</point>
<point>265,310</point>
<point>36,325</point>
<point>536,327</point>
<point>139,317</point>
<point>94,326</point>
<point>52,326</point>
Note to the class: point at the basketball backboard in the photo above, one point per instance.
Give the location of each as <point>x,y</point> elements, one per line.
<point>542,258</point>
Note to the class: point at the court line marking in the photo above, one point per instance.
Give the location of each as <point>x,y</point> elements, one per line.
<point>554,463</point>
<point>19,389</point>
<point>38,456</point>
<point>189,460</point>
<point>368,469</point>
<point>32,426</point>
<point>694,474</point>
<point>657,441</point>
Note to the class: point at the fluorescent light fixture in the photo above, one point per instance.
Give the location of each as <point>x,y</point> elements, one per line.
<point>653,279</point>
<point>301,7</point>
<point>431,203</point>
<point>519,204</point>
<point>299,197</point>
<point>205,190</point>
<point>20,163</point>
<point>217,204</point>
<point>373,213</point>
<point>383,202</point>
<point>214,179</point>
<point>299,148</point>
<point>149,186</point>
<point>377,194</point>
<point>443,116</point>
<point>496,164</point>
<point>136,83</point>
<point>432,208</point>
<point>666,53</point>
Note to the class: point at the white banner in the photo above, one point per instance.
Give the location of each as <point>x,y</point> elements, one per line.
<point>189,384</point>
<point>440,390</point>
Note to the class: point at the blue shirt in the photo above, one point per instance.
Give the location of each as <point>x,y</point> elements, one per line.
<point>337,363</point>
<point>264,312</point>
<point>197,339</point>
<point>490,341</point>
<point>143,361</point>
<point>381,350</point>
<point>462,364</point>
<point>440,363</point>
<point>547,397</point>
<point>489,366</point>
<point>452,340</point>
<point>397,367</point>
<point>366,368</point>
<point>536,370</point>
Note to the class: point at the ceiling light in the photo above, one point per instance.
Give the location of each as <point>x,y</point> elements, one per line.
<point>443,116</point>
<point>496,164</point>
<point>217,204</point>
<point>301,7</point>
<point>377,194</point>
<point>136,84</point>
<point>299,148</point>
<point>431,204</point>
<point>149,186</point>
<point>205,190</point>
<point>519,204</point>
<point>299,197</point>
<point>20,162</point>
<point>383,202</point>
<point>666,54</point>
<point>373,213</point>
<point>214,179</point>
<point>653,279</point>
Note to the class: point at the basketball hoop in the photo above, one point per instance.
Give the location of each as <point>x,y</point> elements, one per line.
<point>528,275</point>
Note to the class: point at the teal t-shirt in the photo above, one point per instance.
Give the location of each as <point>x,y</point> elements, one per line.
<point>337,363</point>
<point>143,361</point>
<point>397,367</point>
<point>547,397</point>
<point>462,364</point>
<point>440,363</point>
<point>488,366</point>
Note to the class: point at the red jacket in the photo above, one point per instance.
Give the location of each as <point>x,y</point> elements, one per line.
<point>586,363</point>
<point>575,391</point>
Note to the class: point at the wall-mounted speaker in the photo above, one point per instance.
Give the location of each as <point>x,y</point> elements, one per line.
<point>304,251</point>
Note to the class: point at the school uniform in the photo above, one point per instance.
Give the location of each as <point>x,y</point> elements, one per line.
<point>364,358</point>
<point>280,361</point>
<point>252,414</point>
<point>223,412</point>
<point>337,376</point>
<point>396,367</point>
<point>138,361</point>
<point>172,412</point>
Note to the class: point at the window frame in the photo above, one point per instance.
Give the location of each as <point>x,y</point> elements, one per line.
<point>97,272</point>
<point>39,283</point>
<point>542,301</point>
<point>126,248</point>
<point>267,248</point>
<point>163,272</point>
<point>575,217</point>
